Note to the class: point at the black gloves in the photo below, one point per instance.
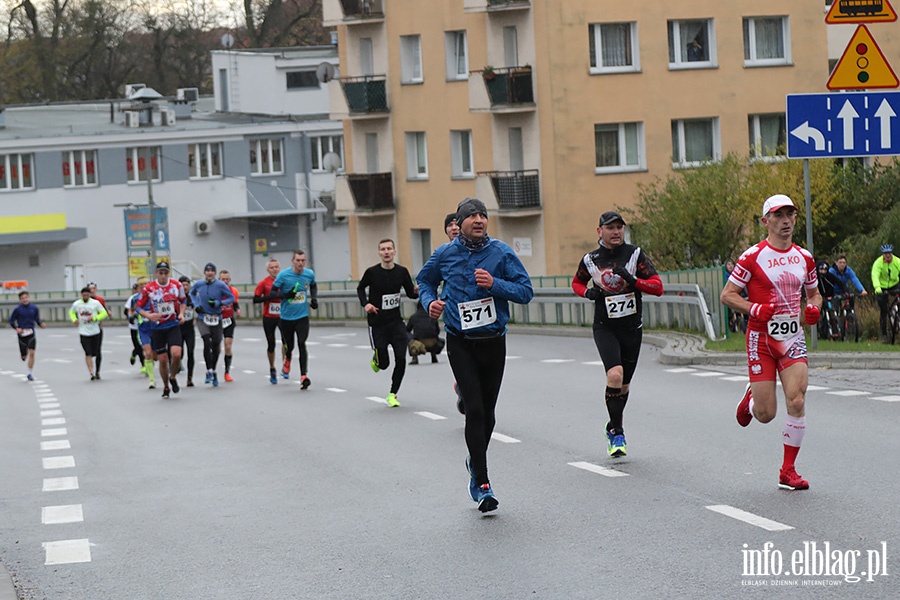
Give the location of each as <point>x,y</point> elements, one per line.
<point>625,275</point>
<point>592,294</point>
<point>132,319</point>
<point>313,303</point>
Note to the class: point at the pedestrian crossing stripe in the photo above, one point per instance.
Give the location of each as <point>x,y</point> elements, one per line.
<point>862,66</point>
<point>860,11</point>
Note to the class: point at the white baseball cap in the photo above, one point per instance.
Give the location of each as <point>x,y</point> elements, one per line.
<point>775,202</point>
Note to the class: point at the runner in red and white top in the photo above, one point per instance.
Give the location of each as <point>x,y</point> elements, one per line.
<point>163,303</point>
<point>774,273</point>
<point>271,314</point>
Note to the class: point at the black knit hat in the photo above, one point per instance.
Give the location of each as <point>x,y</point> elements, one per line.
<point>469,207</point>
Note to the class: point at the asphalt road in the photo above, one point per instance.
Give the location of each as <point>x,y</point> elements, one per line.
<point>258,491</point>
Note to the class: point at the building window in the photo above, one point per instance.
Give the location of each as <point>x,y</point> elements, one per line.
<point>410,59</point>
<point>614,47</point>
<point>692,44</point>
<point>205,160</point>
<point>15,172</point>
<point>457,55</point>
<point>302,80</point>
<point>79,168</point>
<point>695,141</point>
<point>619,147</point>
<point>320,146</point>
<point>416,155</point>
<point>265,157</point>
<point>768,136</point>
<point>766,41</point>
<point>461,154</point>
<point>138,156</point>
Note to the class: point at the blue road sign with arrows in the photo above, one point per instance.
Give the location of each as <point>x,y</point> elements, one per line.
<point>843,124</point>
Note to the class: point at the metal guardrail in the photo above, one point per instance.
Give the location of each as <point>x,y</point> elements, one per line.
<point>682,306</point>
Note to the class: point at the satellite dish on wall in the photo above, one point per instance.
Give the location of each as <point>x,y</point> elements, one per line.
<point>332,162</point>
<point>325,72</point>
<point>227,41</point>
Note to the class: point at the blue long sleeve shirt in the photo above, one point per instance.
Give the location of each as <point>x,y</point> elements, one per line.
<point>455,265</point>
<point>25,316</point>
<point>848,276</point>
<point>216,290</point>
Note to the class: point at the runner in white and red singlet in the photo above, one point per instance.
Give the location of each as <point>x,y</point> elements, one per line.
<point>271,314</point>
<point>774,272</point>
<point>163,303</point>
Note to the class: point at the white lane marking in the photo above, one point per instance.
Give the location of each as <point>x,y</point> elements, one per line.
<point>376,399</point>
<point>743,378</point>
<point>51,413</point>
<point>20,375</point>
<point>598,363</point>
<point>504,438</point>
<point>816,388</point>
<point>335,390</point>
<point>50,405</point>
<point>56,445</point>
<point>337,345</point>
<point>308,343</point>
<point>60,360</point>
<point>59,462</point>
<point>60,484</point>
<point>512,357</point>
<point>54,421</point>
<point>68,513</point>
<point>849,393</point>
<point>121,371</point>
<point>707,374</point>
<point>53,432</point>
<point>887,398</point>
<point>64,552</point>
<point>363,347</point>
<point>252,339</point>
<point>337,336</point>
<point>246,372</point>
<point>606,472</point>
<point>430,415</point>
<point>6,372</point>
<point>681,370</point>
<point>57,335</point>
<point>746,517</point>
<point>555,361</point>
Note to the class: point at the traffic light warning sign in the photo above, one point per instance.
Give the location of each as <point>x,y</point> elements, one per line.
<point>860,11</point>
<point>862,66</point>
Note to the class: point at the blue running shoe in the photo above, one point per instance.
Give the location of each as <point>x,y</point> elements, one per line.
<point>215,380</point>
<point>486,499</point>
<point>473,487</point>
<point>30,377</point>
<point>615,443</point>
<point>273,378</point>
<point>208,377</point>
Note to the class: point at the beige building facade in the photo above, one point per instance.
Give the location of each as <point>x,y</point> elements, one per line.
<point>551,112</point>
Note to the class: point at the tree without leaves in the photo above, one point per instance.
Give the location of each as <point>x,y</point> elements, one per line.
<point>280,23</point>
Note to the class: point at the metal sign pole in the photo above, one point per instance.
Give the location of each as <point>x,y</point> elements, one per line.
<point>814,331</point>
<point>149,166</point>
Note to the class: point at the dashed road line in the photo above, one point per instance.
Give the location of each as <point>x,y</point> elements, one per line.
<point>742,378</point>
<point>746,517</point>
<point>707,374</point>
<point>598,363</point>
<point>67,552</point>
<point>49,405</point>
<point>847,393</point>
<point>54,432</point>
<point>605,471</point>
<point>55,515</point>
<point>53,421</point>
<point>556,361</point>
<point>59,462</point>
<point>887,398</point>
<point>431,415</point>
<point>56,445</point>
<point>60,484</point>
<point>816,388</point>
<point>376,399</point>
<point>335,390</point>
<point>681,370</point>
<point>51,413</point>
<point>504,438</point>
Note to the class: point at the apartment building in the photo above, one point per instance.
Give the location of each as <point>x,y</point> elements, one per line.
<point>241,177</point>
<point>551,112</point>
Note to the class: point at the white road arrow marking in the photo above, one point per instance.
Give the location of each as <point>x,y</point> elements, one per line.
<point>884,114</point>
<point>804,132</point>
<point>847,114</point>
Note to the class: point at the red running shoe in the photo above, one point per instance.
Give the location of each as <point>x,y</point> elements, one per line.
<point>789,480</point>
<point>743,408</point>
<point>228,377</point>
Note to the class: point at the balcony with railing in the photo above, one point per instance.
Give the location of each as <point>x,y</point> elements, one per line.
<point>371,191</point>
<point>366,96</point>
<point>489,6</point>
<point>508,89</point>
<point>516,190</point>
<point>352,12</point>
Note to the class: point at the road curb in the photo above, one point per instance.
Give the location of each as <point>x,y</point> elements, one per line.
<point>7,590</point>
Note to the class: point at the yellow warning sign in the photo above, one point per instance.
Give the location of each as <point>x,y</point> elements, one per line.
<point>862,66</point>
<point>860,11</point>
<point>262,245</point>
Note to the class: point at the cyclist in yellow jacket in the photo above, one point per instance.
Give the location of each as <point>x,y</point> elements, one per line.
<point>885,280</point>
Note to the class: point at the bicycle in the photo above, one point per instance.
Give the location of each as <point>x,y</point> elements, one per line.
<point>829,323</point>
<point>894,318</point>
<point>849,326</point>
